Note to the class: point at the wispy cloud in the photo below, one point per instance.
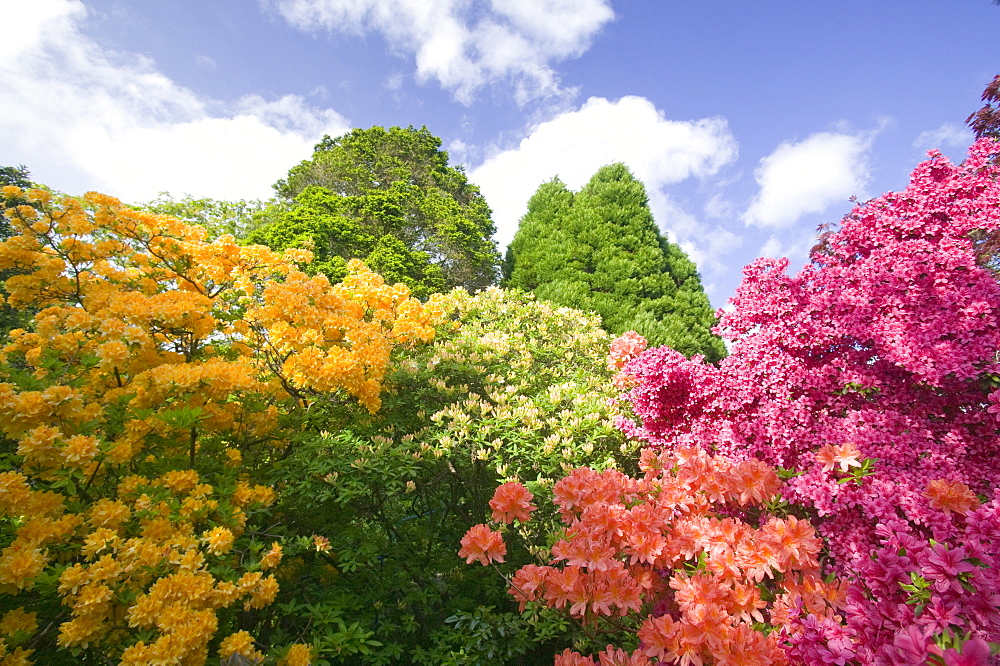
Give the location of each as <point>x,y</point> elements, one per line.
<point>808,177</point>
<point>948,135</point>
<point>467,45</point>
<point>82,118</point>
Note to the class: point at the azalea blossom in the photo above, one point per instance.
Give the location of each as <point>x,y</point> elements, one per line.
<point>845,455</point>
<point>512,501</point>
<point>483,544</point>
<point>951,496</point>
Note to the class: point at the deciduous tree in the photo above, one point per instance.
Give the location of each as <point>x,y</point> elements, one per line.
<point>388,196</point>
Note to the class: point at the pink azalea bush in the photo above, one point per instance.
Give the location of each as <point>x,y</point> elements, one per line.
<point>872,375</point>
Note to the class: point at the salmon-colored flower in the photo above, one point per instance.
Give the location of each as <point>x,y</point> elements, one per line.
<point>512,501</point>
<point>483,544</point>
<point>951,496</point>
<point>845,455</point>
<point>570,658</point>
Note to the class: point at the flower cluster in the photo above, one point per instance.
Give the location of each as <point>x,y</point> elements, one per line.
<point>155,364</point>
<point>869,376</point>
<point>913,593</point>
<point>624,348</point>
<point>662,548</point>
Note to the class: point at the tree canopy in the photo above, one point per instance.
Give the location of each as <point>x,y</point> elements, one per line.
<point>986,121</point>
<point>389,197</point>
<point>600,250</point>
<point>18,176</point>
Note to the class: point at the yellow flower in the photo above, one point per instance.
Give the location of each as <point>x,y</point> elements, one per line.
<point>17,620</point>
<point>81,631</point>
<point>190,560</point>
<point>108,513</point>
<point>15,494</point>
<point>73,578</point>
<point>297,655</point>
<point>98,540</point>
<point>219,540</point>
<point>240,643</point>
<point>224,594</point>
<point>38,442</point>
<point>264,495</point>
<point>42,529</point>
<point>321,543</point>
<point>242,495</point>
<point>180,480</point>
<point>264,593</point>
<point>235,457</point>
<point>129,486</point>
<point>93,599</point>
<point>272,558</point>
<point>19,657</point>
<point>20,564</point>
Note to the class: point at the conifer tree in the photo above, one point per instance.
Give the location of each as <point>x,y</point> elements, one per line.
<point>600,250</point>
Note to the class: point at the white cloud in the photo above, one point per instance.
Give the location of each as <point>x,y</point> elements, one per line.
<point>948,135</point>
<point>808,177</point>
<point>466,44</point>
<point>82,118</point>
<point>575,144</point>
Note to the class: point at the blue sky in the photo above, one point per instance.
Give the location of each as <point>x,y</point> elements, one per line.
<point>751,123</point>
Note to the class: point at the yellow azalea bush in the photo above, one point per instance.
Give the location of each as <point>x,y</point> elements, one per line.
<point>160,374</point>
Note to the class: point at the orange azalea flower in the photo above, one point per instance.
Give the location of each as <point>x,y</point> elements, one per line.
<point>594,553</point>
<point>512,501</point>
<point>483,544</point>
<point>569,658</point>
<point>659,637</point>
<point>845,455</point>
<point>526,583</point>
<point>951,496</point>
<point>612,656</point>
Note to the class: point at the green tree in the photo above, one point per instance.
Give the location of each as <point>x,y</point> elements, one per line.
<point>600,250</point>
<point>238,218</point>
<point>18,176</point>
<point>389,197</point>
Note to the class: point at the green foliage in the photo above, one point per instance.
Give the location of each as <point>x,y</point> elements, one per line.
<point>600,250</point>
<point>387,196</point>
<point>321,221</point>
<point>512,388</point>
<point>237,218</point>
